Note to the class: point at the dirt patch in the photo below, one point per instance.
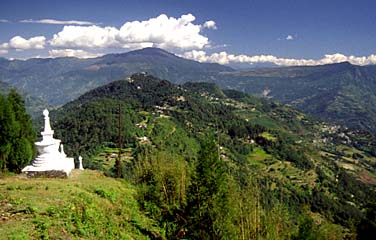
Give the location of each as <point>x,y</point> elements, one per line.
<point>367,177</point>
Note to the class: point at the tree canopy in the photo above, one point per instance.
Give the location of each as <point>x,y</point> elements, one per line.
<point>17,135</point>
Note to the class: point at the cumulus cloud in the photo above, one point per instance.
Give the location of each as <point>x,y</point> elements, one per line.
<point>210,25</point>
<point>162,31</point>
<point>20,43</point>
<point>71,53</point>
<point>85,37</point>
<point>226,58</point>
<point>290,37</point>
<point>58,22</point>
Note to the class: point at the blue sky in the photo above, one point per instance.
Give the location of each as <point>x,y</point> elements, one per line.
<point>284,32</point>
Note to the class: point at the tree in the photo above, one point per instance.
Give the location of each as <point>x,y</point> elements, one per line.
<point>8,129</point>
<point>22,150</point>
<point>16,133</point>
<point>21,116</point>
<point>209,209</point>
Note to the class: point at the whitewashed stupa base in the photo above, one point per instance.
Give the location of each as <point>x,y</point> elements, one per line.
<point>58,170</point>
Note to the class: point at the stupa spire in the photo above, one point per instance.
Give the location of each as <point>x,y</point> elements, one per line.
<point>47,125</point>
<point>47,134</point>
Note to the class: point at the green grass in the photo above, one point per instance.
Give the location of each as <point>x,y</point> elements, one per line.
<point>107,160</point>
<point>282,170</point>
<point>258,154</point>
<point>87,205</point>
<point>268,136</point>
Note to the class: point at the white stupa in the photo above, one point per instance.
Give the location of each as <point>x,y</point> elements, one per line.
<point>50,162</point>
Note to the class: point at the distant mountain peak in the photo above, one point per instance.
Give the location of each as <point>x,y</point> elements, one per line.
<point>152,51</point>
<point>345,63</point>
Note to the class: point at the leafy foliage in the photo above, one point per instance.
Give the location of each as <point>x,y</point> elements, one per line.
<point>17,134</point>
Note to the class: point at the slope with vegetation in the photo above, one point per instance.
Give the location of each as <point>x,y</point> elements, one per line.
<point>208,163</point>
<point>87,205</point>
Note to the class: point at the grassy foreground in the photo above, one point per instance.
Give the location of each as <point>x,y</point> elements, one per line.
<point>87,205</point>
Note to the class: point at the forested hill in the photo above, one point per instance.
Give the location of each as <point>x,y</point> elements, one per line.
<point>243,166</point>
<point>342,93</point>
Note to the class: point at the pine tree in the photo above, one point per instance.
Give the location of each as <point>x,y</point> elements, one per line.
<point>8,129</point>
<point>16,133</point>
<point>21,116</point>
<point>22,150</point>
<point>209,208</point>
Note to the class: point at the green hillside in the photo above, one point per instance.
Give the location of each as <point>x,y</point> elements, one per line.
<point>87,205</point>
<point>263,170</point>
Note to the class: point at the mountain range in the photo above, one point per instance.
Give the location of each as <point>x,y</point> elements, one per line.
<point>33,104</point>
<point>340,93</point>
<point>59,80</point>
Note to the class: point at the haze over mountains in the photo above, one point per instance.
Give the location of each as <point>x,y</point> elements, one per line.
<point>342,93</point>
<point>60,80</point>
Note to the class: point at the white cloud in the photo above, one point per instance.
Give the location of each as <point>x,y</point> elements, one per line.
<point>20,43</point>
<point>290,37</point>
<point>71,53</point>
<point>226,58</point>
<point>162,31</point>
<point>199,56</point>
<point>58,22</point>
<point>85,37</point>
<point>210,25</point>
<point>3,21</point>
<point>134,46</point>
<point>165,32</point>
